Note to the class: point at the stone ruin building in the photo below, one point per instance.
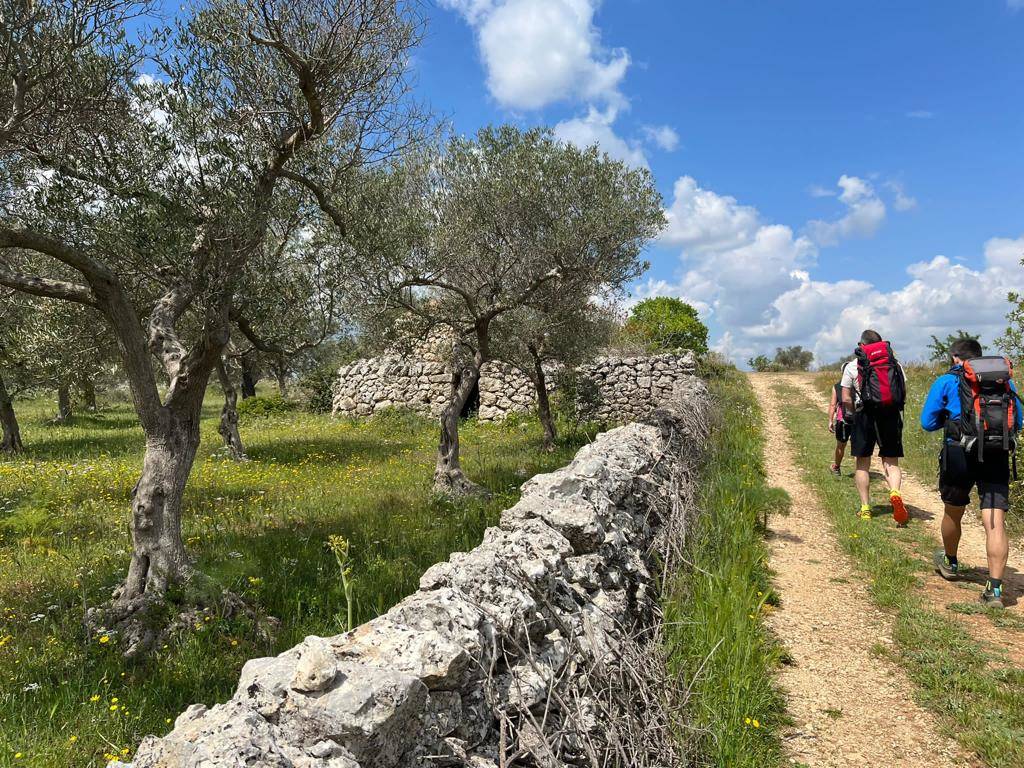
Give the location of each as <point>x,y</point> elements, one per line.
<point>627,388</point>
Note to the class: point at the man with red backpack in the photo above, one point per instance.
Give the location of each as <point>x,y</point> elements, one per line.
<point>874,393</point>
<point>978,405</point>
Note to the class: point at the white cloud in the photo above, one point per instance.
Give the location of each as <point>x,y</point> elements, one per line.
<point>701,220</point>
<point>735,264</point>
<point>816,190</point>
<point>901,200</point>
<point>537,52</point>
<point>864,215</point>
<point>662,136</point>
<point>596,128</point>
<point>924,114</point>
<point>753,281</point>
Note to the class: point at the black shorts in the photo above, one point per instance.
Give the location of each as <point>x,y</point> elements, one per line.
<point>960,471</point>
<point>881,428</point>
<point>843,432</point>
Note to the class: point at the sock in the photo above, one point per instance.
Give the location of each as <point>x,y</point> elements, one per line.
<point>894,493</point>
<point>865,507</point>
<point>952,561</point>
<point>995,584</point>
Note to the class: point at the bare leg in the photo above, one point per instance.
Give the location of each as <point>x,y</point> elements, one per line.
<point>996,542</point>
<point>951,529</point>
<point>893,473</point>
<point>840,452</point>
<point>862,477</point>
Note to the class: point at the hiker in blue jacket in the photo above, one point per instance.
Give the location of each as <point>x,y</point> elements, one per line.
<point>961,468</point>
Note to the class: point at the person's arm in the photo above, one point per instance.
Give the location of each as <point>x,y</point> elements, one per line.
<point>833,403</point>
<point>846,384</point>
<point>934,411</point>
<point>848,407</point>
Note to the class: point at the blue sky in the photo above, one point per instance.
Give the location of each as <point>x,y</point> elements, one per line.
<point>825,166</point>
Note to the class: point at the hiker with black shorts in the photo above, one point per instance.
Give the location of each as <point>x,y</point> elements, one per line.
<point>838,426</point>
<point>976,452</point>
<point>874,392</point>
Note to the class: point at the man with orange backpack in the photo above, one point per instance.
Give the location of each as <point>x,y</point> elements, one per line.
<point>874,393</point>
<point>978,405</point>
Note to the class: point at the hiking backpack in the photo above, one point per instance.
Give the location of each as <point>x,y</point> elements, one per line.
<point>880,379</point>
<point>988,405</point>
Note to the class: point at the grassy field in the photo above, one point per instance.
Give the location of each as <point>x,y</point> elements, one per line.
<point>715,636</point>
<point>980,697</point>
<point>258,528</point>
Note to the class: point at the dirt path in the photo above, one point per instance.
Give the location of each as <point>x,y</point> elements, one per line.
<point>925,505</point>
<point>850,707</point>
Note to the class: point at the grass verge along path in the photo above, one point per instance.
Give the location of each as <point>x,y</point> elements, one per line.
<point>979,697</point>
<point>713,629</point>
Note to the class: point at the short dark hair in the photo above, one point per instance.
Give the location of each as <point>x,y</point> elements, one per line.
<point>870,337</point>
<point>965,348</point>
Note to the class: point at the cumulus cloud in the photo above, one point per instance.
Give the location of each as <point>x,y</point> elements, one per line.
<point>597,127</point>
<point>736,264</point>
<point>537,52</point>
<point>753,281</point>
<point>662,136</point>
<point>865,213</point>
<point>700,219</point>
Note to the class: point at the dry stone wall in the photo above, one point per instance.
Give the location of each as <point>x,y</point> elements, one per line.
<point>539,643</point>
<point>627,388</point>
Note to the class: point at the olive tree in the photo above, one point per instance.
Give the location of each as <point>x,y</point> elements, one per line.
<point>504,220</point>
<point>146,198</point>
<point>559,332</point>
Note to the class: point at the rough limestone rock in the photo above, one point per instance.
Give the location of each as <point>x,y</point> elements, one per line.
<point>626,388</point>
<point>506,647</point>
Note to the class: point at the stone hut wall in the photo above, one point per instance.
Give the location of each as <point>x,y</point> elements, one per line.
<point>628,388</point>
<point>532,644</point>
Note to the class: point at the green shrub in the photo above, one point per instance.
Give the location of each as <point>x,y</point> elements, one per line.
<point>317,388</point>
<point>399,420</point>
<point>714,365</point>
<point>265,406</point>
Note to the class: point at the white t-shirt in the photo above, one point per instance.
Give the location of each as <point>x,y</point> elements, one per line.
<point>850,376</point>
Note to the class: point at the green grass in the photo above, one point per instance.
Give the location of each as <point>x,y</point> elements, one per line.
<point>716,639</point>
<point>981,701</point>
<point>258,528</point>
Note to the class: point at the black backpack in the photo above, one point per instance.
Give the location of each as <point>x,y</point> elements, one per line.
<point>881,381</point>
<point>988,405</point>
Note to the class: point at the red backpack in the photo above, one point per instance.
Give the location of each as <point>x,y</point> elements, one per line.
<point>988,405</point>
<point>879,376</point>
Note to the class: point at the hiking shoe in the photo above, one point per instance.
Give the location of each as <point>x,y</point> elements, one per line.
<point>899,510</point>
<point>834,469</point>
<point>865,512</point>
<point>992,598</point>
<point>944,568</point>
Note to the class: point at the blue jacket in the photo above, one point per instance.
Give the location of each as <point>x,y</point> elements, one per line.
<point>943,402</point>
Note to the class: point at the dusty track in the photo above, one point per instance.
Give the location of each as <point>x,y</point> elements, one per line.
<point>925,506</point>
<point>850,707</point>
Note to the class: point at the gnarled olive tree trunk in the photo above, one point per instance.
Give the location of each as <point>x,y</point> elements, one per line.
<point>448,475</point>
<point>89,395</point>
<point>540,384</point>
<point>10,434</point>
<point>63,403</point>
<point>228,427</point>
<point>250,376</point>
<point>158,552</point>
